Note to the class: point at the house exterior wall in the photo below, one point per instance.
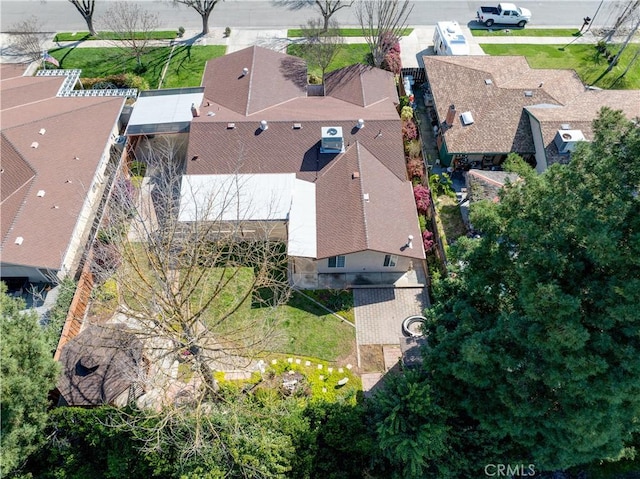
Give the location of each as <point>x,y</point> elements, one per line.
<point>79,238</point>
<point>33,274</point>
<point>365,262</point>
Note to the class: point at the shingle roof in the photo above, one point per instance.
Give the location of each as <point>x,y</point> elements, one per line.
<point>99,364</point>
<point>500,126</point>
<point>217,147</point>
<point>579,114</point>
<point>360,84</point>
<point>73,127</point>
<point>485,184</point>
<point>272,78</point>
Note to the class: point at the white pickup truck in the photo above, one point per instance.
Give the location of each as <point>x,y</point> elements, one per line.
<point>504,13</point>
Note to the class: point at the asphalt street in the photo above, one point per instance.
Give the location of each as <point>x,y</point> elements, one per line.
<point>60,15</point>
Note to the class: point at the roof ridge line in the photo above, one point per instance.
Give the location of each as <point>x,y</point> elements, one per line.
<point>362,193</point>
<point>253,62</point>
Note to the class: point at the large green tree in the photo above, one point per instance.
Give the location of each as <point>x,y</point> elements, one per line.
<point>27,374</point>
<point>536,334</point>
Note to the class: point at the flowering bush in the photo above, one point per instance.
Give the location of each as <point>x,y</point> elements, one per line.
<point>390,43</point>
<point>409,130</point>
<point>422,196</point>
<point>427,240</point>
<point>415,168</point>
<point>392,62</point>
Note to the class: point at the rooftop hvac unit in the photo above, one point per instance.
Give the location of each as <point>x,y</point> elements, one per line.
<point>332,140</point>
<point>566,140</point>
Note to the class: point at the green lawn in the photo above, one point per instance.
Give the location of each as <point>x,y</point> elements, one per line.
<point>450,217</point>
<point>523,32</point>
<point>584,59</point>
<point>347,55</point>
<point>187,63</point>
<point>84,36</point>
<point>343,32</point>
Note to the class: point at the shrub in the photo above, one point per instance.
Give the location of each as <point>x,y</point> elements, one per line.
<point>315,80</point>
<point>404,101</point>
<point>422,196</point>
<point>409,130</point>
<point>422,220</point>
<point>390,43</point>
<point>392,62</point>
<point>138,168</point>
<point>123,80</point>
<point>441,185</point>
<point>413,149</point>
<point>180,32</point>
<point>427,240</point>
<point>406,113</point>
<point>415,168</point>
<point>227,31</point>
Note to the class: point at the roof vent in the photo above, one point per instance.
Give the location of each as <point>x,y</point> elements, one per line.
<point>297,126</point>
<point>488,81</point>
<point>332,140</point>
<point>565,126</point>
<point>210,113</point>
<point>42,131</point>
<point>69,181</point>
<point>34,144</point>
<point>76,157</point>
<point>466,118</point>
<point>410,241</point>
<point>366,197</point>
<point>355,174</point>
<point>19,240</point>
<point>245,71</point>
<point>40,193</point>
<point>528,93</point>
<point>360,124</point>
<point>264,125</point>
<point>231,126</point>
<point>195,111</point>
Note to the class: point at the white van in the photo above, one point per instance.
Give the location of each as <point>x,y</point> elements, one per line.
<point>449,40</point>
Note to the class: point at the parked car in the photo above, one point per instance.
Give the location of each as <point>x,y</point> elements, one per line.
<point>504,13</point>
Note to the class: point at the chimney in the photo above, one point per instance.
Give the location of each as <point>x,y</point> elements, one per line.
<point>264,125</point>
<point>360,124</point>
<point>194,110</point>
<point>451,114</point>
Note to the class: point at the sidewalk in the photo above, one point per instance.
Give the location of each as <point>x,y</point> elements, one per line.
<point>413,46</point>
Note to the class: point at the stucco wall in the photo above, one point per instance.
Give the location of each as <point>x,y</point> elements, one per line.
<point>365,262</point>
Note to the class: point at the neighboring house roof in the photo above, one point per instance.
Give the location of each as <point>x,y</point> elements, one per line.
<point>227,139</point>
<point>579,113</point>
<point>99,365</point>
<point>495,90</point>
<point>485,184</point>
<point>63,129</point>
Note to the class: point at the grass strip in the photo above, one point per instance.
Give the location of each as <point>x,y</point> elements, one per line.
<point>342,32</point>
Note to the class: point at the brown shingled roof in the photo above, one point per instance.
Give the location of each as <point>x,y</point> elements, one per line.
<point>272,78</point>
<point>99,364</point>
<point>496,106</point>
<point>73,127</point>
<point>360,84</point>
<point>226,139</point>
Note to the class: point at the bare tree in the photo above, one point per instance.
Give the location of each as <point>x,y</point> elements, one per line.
<point>197,279</point>
<point>326,8</point>
<point>86,9</point>
<point>132,27</point>
<point>382,22</point>
<point>26,39</point>
<point>322,45</point>
<point>628,12</point>
<point>204,9</point>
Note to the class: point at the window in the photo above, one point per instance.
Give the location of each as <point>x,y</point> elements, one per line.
<point>336,262</point>
<point>390,260</point>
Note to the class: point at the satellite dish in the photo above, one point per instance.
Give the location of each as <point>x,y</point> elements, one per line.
<point>332,131</point>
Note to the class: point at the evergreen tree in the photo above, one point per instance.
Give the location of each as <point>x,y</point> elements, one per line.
<point>27,374</point>
<point>537,335</point>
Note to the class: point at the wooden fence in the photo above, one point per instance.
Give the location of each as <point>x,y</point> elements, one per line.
<point>77,310</point>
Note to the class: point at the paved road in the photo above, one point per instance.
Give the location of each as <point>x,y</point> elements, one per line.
<point>60,15</point>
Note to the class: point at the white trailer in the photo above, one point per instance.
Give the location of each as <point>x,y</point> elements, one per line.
<point>448,39</point>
